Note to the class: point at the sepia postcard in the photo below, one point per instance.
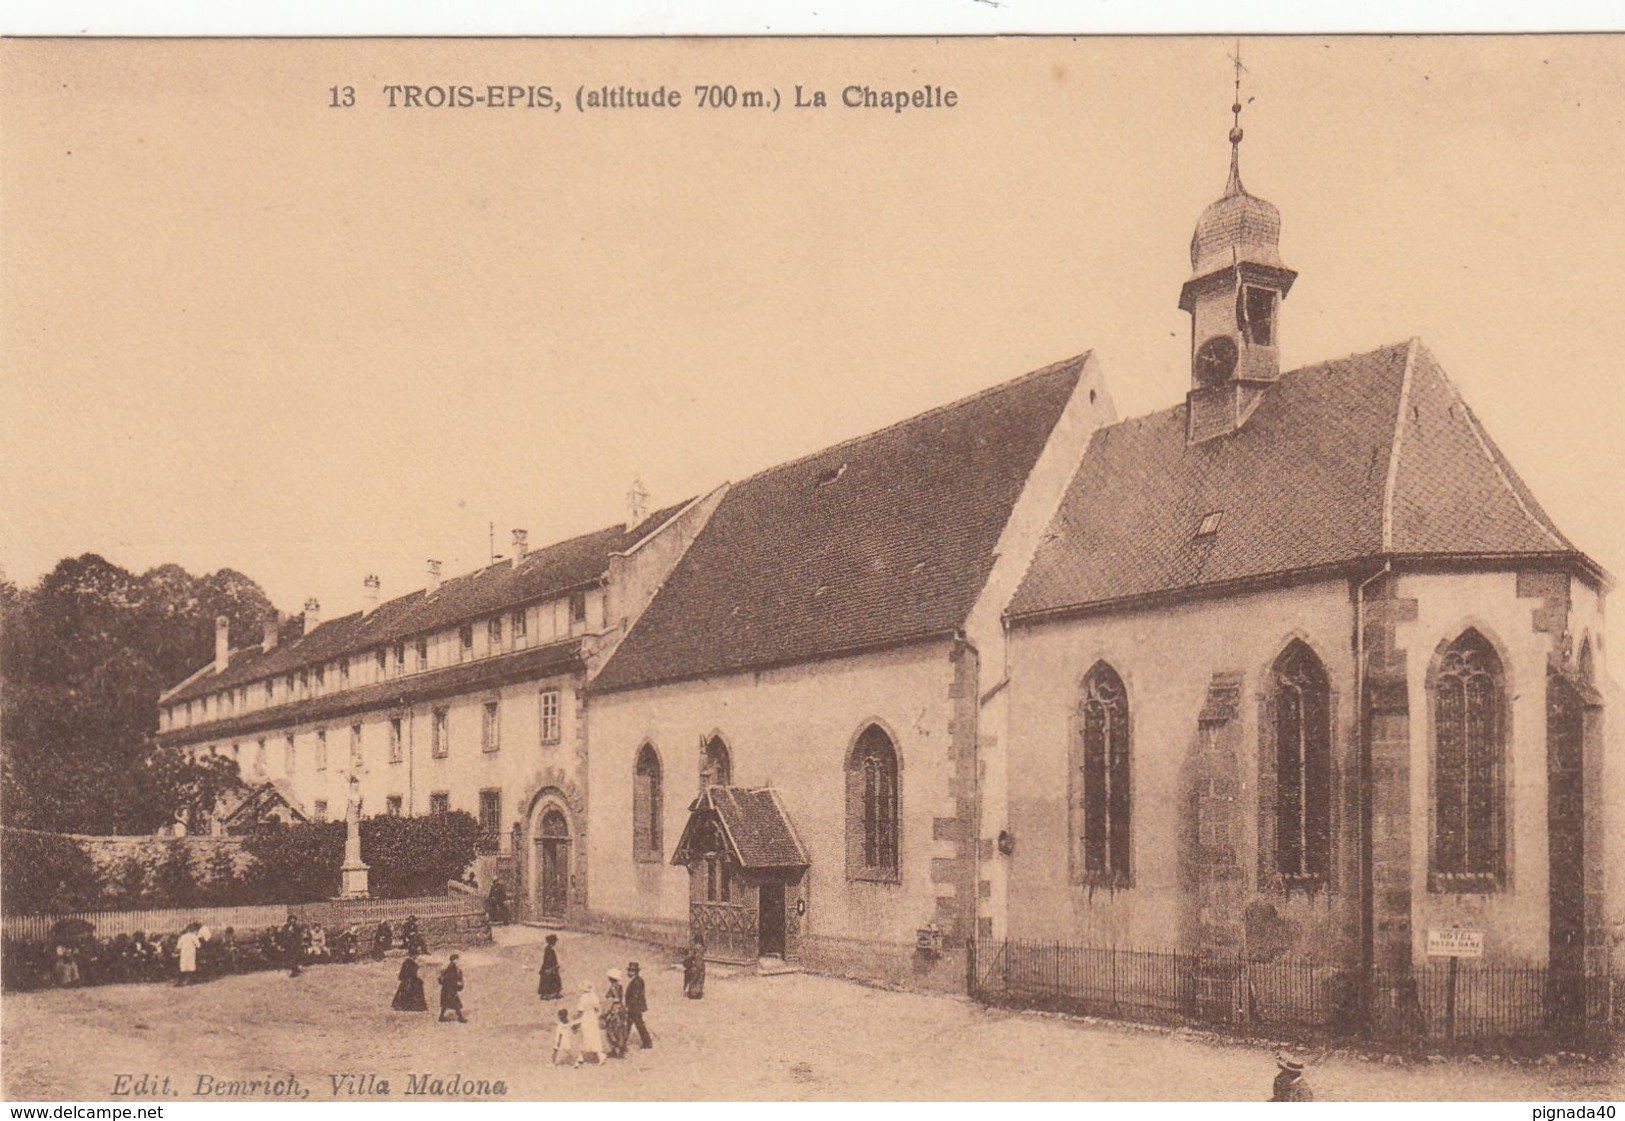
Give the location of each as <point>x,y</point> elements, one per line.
<point>1030,568</point>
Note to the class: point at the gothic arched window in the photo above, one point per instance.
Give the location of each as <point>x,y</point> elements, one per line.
<point>1102,807</point>
<point>871,807</point>
<point>1469,743</point>
<point>646,805</point>
<point>1302,725</point>
<point>716,765</point>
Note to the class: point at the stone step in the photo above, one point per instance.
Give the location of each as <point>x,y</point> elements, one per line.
<point>775,967</point>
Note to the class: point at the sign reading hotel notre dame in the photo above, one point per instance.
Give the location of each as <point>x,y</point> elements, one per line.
<point>1455,943</point>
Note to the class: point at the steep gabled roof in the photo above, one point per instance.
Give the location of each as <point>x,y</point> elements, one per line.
<point>543,574</point>
<point>880,540</point>
<point>256,802</point>
<point>1374,455</point>
<point>754,826</point>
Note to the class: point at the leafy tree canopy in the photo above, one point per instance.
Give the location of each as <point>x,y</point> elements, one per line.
<point>84,655</point>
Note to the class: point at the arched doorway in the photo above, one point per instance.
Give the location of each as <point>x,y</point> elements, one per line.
<point>553,865</point>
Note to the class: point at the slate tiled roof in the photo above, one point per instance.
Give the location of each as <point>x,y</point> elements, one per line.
<point>544,573</point>
<point>880,540</point>
<point>755,825</point>
<point>483,673</point>
<point>1313,480</point>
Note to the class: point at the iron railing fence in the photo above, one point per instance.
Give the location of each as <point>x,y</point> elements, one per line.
<point>1291,996</point>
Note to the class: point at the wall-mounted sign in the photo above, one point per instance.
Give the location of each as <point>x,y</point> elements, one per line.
<point>1455,943</point>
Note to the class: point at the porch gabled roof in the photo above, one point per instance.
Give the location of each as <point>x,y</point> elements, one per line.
<point>753,825</point>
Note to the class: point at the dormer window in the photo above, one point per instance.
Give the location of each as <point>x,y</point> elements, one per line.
<point>1256,315</point>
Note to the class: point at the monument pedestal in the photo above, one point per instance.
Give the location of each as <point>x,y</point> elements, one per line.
<point>353,881</point>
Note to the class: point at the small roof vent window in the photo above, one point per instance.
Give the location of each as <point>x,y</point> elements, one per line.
<point>1210,524</point>
<point>825,478</point>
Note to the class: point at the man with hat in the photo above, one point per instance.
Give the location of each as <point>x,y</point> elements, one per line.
<point>637,1003</point>
<point>1290,1085</point>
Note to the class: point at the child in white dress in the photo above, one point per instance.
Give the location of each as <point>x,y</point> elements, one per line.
<point>565,1051</point>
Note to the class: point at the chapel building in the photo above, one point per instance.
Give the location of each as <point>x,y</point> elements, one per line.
<point>1303,670</point>
<point>1298,669</point>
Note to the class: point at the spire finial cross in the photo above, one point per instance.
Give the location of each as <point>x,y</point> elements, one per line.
<point>1235,107</point>
<point>1234,187</point>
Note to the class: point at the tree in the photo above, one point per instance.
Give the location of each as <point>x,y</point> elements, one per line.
<point>84,655</point>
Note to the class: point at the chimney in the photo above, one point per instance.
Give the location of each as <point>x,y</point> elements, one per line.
<point>521,545</point>
<point>268,643</point>
<point>637,504</point>
<point>369,594</point>
<point>222,643</point>
<point>313,614</point>
<point>434,576</point>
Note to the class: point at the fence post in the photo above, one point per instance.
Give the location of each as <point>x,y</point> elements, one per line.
<point>1450,1001</point>
<point>970,966</point>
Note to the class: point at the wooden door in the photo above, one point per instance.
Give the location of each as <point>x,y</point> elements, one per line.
<point>554,887</point>
<point>771,919</point>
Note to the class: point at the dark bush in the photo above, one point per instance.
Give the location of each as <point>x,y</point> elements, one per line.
<point>42,873</point>
<point>174,882</point>
<point>222,886</point>
<point>416,855</point>
<point>295,864</point>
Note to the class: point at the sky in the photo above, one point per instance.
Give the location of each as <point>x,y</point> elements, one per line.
<point>242,328</point>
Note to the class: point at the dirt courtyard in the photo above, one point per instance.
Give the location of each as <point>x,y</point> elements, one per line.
<point>790,1037</point>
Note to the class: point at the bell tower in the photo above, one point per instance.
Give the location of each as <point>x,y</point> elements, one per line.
<point>1234,297</point>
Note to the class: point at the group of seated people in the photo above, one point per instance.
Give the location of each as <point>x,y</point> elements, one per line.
<point>78,957</point>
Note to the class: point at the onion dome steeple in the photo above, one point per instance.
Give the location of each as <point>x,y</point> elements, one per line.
<point>1233,296</point>
<point>1238,226</point>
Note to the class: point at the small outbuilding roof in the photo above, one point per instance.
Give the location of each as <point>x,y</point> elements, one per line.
<point>752,825</point>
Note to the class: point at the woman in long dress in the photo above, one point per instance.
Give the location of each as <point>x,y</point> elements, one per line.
<point>694,970</point>
<point>409,994</point>
<point>592,1035</point>
<point>551,985</point>
<point>617,1021</point>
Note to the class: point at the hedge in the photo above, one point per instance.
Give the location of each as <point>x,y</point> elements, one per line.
<point>43,873</point>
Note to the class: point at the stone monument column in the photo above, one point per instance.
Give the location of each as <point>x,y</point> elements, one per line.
<point>353,875</point>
